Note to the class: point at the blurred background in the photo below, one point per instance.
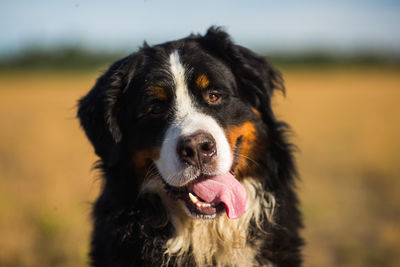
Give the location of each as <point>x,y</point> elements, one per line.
<point>341,63</point>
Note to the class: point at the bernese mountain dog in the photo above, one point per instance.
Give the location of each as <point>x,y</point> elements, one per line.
<point>197,168</point>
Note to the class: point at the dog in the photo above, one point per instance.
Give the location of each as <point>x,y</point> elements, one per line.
<point>197,169</point>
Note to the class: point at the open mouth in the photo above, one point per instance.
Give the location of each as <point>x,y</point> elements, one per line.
<point>207,196</point>
<point>196,205</point>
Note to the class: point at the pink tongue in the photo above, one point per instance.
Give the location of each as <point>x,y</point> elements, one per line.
<point>223,188</point>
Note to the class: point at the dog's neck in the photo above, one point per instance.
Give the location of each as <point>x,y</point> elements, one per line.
<point>220,241</point>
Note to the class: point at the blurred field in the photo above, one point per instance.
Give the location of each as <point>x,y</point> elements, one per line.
<point>346,124</point>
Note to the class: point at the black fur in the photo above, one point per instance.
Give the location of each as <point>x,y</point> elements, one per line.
<point>130,230</point>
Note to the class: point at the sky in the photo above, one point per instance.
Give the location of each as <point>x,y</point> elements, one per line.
<point>281,26</point>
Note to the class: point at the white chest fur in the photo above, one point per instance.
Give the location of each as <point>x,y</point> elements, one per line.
<point>217,242</point>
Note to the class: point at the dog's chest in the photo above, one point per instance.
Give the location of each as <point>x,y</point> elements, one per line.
<point>219,242</point>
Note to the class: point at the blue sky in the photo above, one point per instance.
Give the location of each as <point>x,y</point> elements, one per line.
<point>284,25</point>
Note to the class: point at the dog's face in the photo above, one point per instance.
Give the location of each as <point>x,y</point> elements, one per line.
<point>192,117</point>
<point>193,111</point>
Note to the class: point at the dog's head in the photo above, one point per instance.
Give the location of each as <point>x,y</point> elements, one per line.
<point>194,111</point>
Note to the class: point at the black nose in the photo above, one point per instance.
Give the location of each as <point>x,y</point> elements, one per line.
<point>197,149</point>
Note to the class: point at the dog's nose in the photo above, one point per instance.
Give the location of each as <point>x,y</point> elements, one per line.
<point>197,149</point>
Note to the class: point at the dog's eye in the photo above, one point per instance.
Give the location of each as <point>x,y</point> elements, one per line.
<point>157,108</point>
<point>213,98</point>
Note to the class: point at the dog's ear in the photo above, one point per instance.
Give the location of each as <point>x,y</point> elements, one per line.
<point>255,76</point>
<point>98,111</point>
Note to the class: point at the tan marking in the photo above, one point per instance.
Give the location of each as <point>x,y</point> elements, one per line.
<point>159,93</point>
<point>255,111</point>
<point>142,161</point>
<point>247,153</point>
<point>202,81</point>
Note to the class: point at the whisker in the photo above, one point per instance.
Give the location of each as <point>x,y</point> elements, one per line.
<point>151,171</point>
<point>246,157</point>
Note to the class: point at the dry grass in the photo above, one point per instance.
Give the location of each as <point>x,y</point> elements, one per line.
<point>346,124</point>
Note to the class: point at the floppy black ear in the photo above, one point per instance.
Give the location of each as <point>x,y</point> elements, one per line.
<point>253,73</point>
<point>98,110</point>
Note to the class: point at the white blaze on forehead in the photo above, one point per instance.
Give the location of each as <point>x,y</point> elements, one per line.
<point>183,102</point>
<point>188,120</point>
